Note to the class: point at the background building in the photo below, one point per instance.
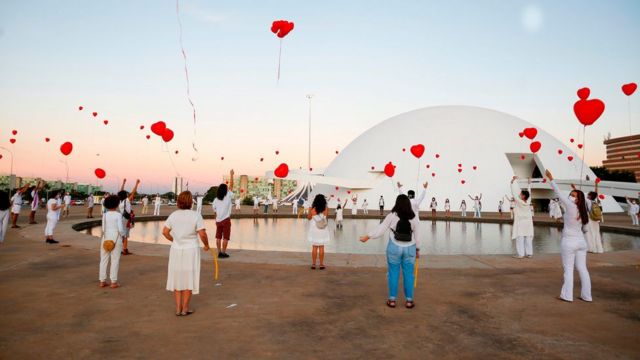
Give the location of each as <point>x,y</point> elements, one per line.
<point>623,153</point>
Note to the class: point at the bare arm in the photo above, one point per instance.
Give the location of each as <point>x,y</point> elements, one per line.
<point>134,190</point>
<point>379,230</point>
<point>312,213</point>
<point>422,194</point>
<point>231,180</point>
<point>204,238</point>
<point>166,232</point>
<point>124,181</point>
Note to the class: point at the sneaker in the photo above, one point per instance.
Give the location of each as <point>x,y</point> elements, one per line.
<point>51,241</point>
<point>517,257</point>
<point>224,255</point>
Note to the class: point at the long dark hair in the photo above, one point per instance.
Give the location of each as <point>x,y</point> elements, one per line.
<point>5,203</point>
<point>526,194</point>
<point>319,203</point>
<point>592,195</point>
<point>403,208</point>
<point>222,191</point>
<point>582,207</point>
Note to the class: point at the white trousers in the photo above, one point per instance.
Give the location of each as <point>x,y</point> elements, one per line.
<point>464,213</point>
<point>594,238</point>
<point>52,221</point>
<point>524,246</point>
<point>199,209</point>
<point>365,211</point>
<point>156,210</point>
<point>4,223</point>
<point>634,219</point>
<point>574,253</point>
<point>294,209</point>
<point>114,256</point>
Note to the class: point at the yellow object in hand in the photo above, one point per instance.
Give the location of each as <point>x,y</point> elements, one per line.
<point>215,264</point>
<point>415,273</point>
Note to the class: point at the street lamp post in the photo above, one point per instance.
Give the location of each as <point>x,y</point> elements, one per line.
<point>309,96</point>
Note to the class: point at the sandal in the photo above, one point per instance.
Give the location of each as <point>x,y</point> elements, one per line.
<point>102,284</point>
<point>313,267</point>
<point>187,313</point>
<point>114,285</point>
<point>322,267</point>
<point>409,304</point>
<point>391,303</point>
<point>178,314</point>
<point>561,299</point>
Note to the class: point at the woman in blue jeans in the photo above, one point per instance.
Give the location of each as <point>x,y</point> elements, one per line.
<point>402,250</point>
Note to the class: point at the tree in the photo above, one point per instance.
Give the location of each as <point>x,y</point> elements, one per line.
<point>613,175</point>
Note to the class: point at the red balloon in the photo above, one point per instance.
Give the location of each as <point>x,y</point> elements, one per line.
<point>389,169</point>
<point>282,170</point>
<point>14,132</point>
<point>261,159</point>
<point>403,149</point>
<point>46,139</point>
<point>0,156</point>
<point>521,134</point>
<point>176,152</point>
<point>373,168</point>
<point>241,190</point>
<point>522,157</point>
<point>560,151</point>
<point>579,146</point>
<point>348,191</point>
<point>462,181</point>
<point>459,165</point>
<point>337,152</point>
<point>94,114</point>
<point>459,170</point>
<point>530,133</point>
<point>222,158</point>
<point>148,137</point>
<point>535,146</point>
<point>428,166</point>
<point>570,158</point>
<point>167,135</point>
<point>66,148</point>
<point>80,108</point>
<point>158,128</point>
<point>277,152</point>
<point>13,141</point>
<point>105,122</point>
<point>588,111</point>
<point>437,156</point>
<point>141,127</point>
<point>417,150</point>
<point>281,28</point>
<point>601,196</point>
<point>337,188</point>
<point>100,174</point>
<point>433,174</point>
<point>310,169</point>
<point>571,140</point>
<point>544,180</point>
<point>629,89</point>
<point>584,93</point>
<point>475,168</point>
<point>598,180</point>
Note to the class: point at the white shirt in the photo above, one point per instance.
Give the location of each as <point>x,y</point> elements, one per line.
<point>50,212</point>
<point>365,204</point>
<point>67,199</point>
<point>381,202</point>
<point>222,208</point>
<point>90,201</point>
<point>390,222</point>
<point>184,226</point>
<point>125,205</point>
<point>572,224</point>
<point>199,201</point>
<point>145,201</point>
<point>433,205</point>
<point>112,225</point>
<point>157,200</point>
<point>415,203</point>
<point>17,199</point>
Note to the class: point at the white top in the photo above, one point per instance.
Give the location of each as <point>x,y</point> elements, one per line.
<point>318,236</point>
<point>255,201</point>
<point>381,202</point>
<point>184,225</point>
<point>390,222</point>
<point>306,204</point>
<point>572,224</point>
<point>112,225</point>
<point>145,201</point>
<point>199,201</point>
<point>222,208</point>
<point>476,204</point>
<point>339,216</point>
<point>16,200</point>
<point>157,200</point>
<point>90,201</point>
<point>463,206</point>
<point>447,206</point>
<point>633,208</point>
<point>125,205</point>
<point>67,199</point>
<point>433,205</point>
<point>365,204</point>
<point>50,211</point>
<point>415,203</point>
<point>35,199</point>
<point>238,201</point>
<point>522,216</point>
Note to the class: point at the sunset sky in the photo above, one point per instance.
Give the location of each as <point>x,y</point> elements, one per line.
<point>364,61</point>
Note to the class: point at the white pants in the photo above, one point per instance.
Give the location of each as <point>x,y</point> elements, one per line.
<point>4,223</point>
<point>156,210</point>
<point>199,209</point>
<point>524,246</point>
<point>476,213</point>
<point>574,253</point>
<point>634,219</point>
<point>464,213</point>
<point>294,209</point>
<point>594,239</point>
<point>114,255</point>
<point>365,211</point>
<point>354,211</point>
<point>52,221</point>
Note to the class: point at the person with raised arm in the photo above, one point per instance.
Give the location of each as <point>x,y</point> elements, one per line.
<point>522,229</point>
<point>477,205</point>
<point>222,210</point>
<point>573,245</point>
<point>354,205</point>
<point>53,208</point>
<point>16,205</point>
<point>35,201</point>
<point>633,211</point>
<point>415,203</point>
<point>128,217</point>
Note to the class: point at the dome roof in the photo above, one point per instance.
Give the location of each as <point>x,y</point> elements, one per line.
<point>465,135</point>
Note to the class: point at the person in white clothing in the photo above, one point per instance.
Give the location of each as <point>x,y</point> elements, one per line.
<point>365,207</point>
<point>522,229</point>
<point>354,205</point>
<point>256,203</point>
<point>16,205</point>
<point>199,203</point>
<point>573,245</point>
<point>60,206</point>
<point>318,234</point>
<point>381,205</point>
<point>237,201</point>
<point>5,206</point>
<point>633,211</point>
<point>183,228</point>
<point>294,206</point>
<point>500,204</point>
<point>90,204</point>
<point>222,209</point>
<point>67,204</point>
<point>274,203</point>
<point>53,208</point>
<point>447,208</point>
<point>145,205</point>
<point>415,203</point>
<point>128,217</point>
<point>593,236</point>
<point>35,201</point>
<point>156,205</point>
<point>112,229</point>
<point>477,205</point>
<point>403,248</point>
<point>306,206</point>
<point>339,214</point>
<point>433,207</point>
<point>463,209</point>
<point>512,204</point>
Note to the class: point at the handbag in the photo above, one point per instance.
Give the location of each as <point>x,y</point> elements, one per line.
<point>108,245</point>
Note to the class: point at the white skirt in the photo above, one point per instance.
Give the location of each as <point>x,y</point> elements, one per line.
<point>184,270</point>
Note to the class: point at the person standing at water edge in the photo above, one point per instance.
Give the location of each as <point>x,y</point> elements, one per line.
<point>381,205</point>
<point>594,239</point>
<point>339,215</point>
<point>306,206</point>
<point>633,211</point>
<point>500,203</point>
<point>182,228</point>
<point>447,208</point>
<point>53,215</point>
<point>156,205</point>
<point>415,203</point>
<point>512,204</point>
<point>402,249</point>
<point>35,201</point>
<point>433,207</point>
<point>222,208</point>
<point>477,206</point>
<point>112,229</point>
<point>238,204</point>
<point>90,204</point>
<point>16,206</point>
<point>463,209</point>
<point>5,205</point>
<point>522,230</point>
<point>573,244</point>
<point>365,207</point>
<point>145,205</point>
<point>319,234</point>
<point>354,205</point>
<point>255,205</point>
<point>274,202</point>
<point>67,204</point>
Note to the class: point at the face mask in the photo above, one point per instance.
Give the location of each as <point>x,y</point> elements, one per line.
<point>572,198</point>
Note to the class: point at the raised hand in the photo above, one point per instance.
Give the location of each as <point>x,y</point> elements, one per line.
<point>548,174</point>
<point>426,183</point>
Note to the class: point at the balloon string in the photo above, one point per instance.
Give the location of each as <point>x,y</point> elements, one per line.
<point>279,57</point>
<point>165,147</point>
<point>418,175</point>
<point>629,111</point>
<point>584,147</point>
<point>186,74</point>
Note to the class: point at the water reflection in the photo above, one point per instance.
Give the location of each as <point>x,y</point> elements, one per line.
<point>440,238</point>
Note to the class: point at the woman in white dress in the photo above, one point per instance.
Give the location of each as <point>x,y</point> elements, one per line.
<point>112,229</point>
<point>447,208</point>
<point>365,207</point>
<point>573,245</point>
<point>594,238</point>
<point>354,206</point>
<point>53,209</point>
<point>463,209</point>
<point>555,209</point>
<point>477,206</point>
<point>16,206</point>
<point>182,228</point>
<point>434,207</point>
<point>319,234</point>
<point>274,202</point>
<point>522,229</point>
<point>339,215</point>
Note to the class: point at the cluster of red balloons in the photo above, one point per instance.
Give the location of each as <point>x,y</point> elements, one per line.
<point>587,111</point>
<point>531,133</point>
<point>160,128</point>
<point>282,28</point>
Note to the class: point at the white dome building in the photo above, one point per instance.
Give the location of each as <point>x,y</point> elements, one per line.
<point>465,135</point>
